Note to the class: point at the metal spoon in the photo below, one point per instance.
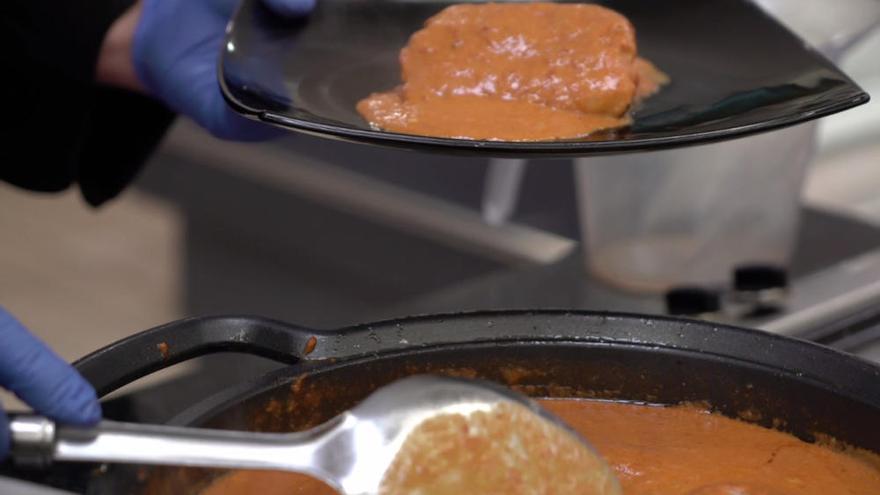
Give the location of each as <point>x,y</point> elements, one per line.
<point>351,452</point>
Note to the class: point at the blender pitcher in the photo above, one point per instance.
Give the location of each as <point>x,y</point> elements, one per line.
<point>658,220</point>
<point>654,221</point>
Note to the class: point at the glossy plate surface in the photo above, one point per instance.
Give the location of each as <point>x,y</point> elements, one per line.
<point>735,71</point>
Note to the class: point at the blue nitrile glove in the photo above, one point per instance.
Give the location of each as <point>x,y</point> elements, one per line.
<point>42,380</point>
<point>176,47</point>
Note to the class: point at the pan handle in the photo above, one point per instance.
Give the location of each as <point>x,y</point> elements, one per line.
<point>125,361</point>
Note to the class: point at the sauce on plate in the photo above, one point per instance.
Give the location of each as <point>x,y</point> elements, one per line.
<point>516,72</point>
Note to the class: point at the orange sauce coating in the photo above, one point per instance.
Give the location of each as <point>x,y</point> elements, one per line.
<point>495,452</point>
<point>516,72</point>
<point>663,451</point>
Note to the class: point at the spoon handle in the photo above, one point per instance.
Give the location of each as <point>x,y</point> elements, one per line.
<point>39,441</point>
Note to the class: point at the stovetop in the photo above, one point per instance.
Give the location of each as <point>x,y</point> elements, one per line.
<point>833,302</point>
<point>423,248</point>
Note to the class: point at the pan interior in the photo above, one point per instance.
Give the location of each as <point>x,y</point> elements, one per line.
<point>304,396</point>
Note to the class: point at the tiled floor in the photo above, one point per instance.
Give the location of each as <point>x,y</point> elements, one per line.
<point>81,278</point>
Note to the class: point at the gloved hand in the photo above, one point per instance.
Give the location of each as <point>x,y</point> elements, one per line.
<point>176,47</point>
<point>42,380</point>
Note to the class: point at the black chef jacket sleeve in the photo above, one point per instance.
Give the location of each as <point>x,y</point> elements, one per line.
<point>61,127</point>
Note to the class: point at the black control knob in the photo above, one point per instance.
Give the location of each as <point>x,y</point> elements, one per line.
<point>752,278</point>
<point>693,301</point>
<point>760,289</point>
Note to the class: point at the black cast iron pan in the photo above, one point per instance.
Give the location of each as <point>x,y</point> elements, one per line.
<point>779,382</point>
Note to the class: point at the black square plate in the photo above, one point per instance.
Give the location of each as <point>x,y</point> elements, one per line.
<point>734,69</point>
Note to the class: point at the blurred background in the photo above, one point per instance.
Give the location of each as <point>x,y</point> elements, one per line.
<point>327,234</point>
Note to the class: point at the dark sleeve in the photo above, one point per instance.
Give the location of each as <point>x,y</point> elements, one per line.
<point>63,128</point>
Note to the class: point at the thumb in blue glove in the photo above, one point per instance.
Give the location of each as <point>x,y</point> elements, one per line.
<point>290,8</point>
<point>176,47</point>
<point>42,380</point>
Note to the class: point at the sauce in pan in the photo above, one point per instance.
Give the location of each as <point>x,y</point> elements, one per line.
<point>664,451</point>
<point>516,72</point>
